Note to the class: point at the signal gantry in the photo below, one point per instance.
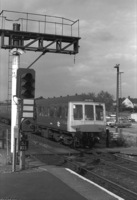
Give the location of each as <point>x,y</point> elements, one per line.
<point>39,33</point>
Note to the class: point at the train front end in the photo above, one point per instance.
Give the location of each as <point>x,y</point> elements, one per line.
<point>86,122</point>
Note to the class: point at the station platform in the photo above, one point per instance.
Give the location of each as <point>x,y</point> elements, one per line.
<point>40,181</point>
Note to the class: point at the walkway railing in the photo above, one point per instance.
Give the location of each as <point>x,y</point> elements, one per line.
<point>39,23</point>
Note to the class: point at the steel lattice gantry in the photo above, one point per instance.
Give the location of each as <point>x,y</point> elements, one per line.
<point>37,40</point>
<point>56,43</point>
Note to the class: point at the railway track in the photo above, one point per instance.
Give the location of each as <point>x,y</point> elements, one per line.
<point>91,165</point>
<point>111,176</point>
<point>108,170</point>
<point>122,163</point>
<point>112,186</point>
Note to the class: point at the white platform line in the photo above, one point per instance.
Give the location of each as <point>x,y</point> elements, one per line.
<point>110,193</point>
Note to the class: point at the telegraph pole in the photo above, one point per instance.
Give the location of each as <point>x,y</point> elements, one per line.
<point>117,95</point>
<point>120,92</point>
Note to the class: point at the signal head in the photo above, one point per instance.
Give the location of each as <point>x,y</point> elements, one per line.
<point>25,83</point>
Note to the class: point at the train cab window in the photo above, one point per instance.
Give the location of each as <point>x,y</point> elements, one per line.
<point>99,112</point>
<point>77,112</point>
<point>89,112</point>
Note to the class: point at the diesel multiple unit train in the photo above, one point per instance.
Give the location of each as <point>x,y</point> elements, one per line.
<point>5,113</point>
<point>71,120</point>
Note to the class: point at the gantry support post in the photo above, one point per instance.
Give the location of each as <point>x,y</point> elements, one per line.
<point>14,102</point>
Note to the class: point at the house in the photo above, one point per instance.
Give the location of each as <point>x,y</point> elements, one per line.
<point>128,103</point>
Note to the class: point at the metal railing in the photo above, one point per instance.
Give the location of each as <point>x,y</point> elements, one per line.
<point>39,23</point>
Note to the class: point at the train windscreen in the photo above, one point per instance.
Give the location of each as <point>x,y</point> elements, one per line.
<point>77,112</point>
<point>89,112</point>
<point>99,113</point>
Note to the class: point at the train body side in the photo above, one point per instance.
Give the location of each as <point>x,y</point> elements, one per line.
<point>71,116</point>
<point>71,120</point>
<point>5,113</point>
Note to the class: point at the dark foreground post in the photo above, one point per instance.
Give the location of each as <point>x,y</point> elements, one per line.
<point>107,137</point>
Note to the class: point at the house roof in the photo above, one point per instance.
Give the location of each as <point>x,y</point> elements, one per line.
<point>128,103</point>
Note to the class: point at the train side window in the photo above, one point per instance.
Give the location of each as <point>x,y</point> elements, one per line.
<point>99,112</point>
<point>77,112</point>
<point>63,112</point>
<point>45,111</point>
<point>59,112</point>
<point>55,111</point>
<point>48,112</point>
<point>51,111</point>
<point>39,110</point>
<point>66,111</point>
<point>89,112</point>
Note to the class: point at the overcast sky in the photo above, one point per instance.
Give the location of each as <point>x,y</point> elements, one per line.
<point>108,31</point>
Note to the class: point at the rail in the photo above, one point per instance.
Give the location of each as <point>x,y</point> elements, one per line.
<point>81,167</point>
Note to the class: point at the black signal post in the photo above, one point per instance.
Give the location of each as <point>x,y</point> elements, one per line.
<point>25,91</point>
